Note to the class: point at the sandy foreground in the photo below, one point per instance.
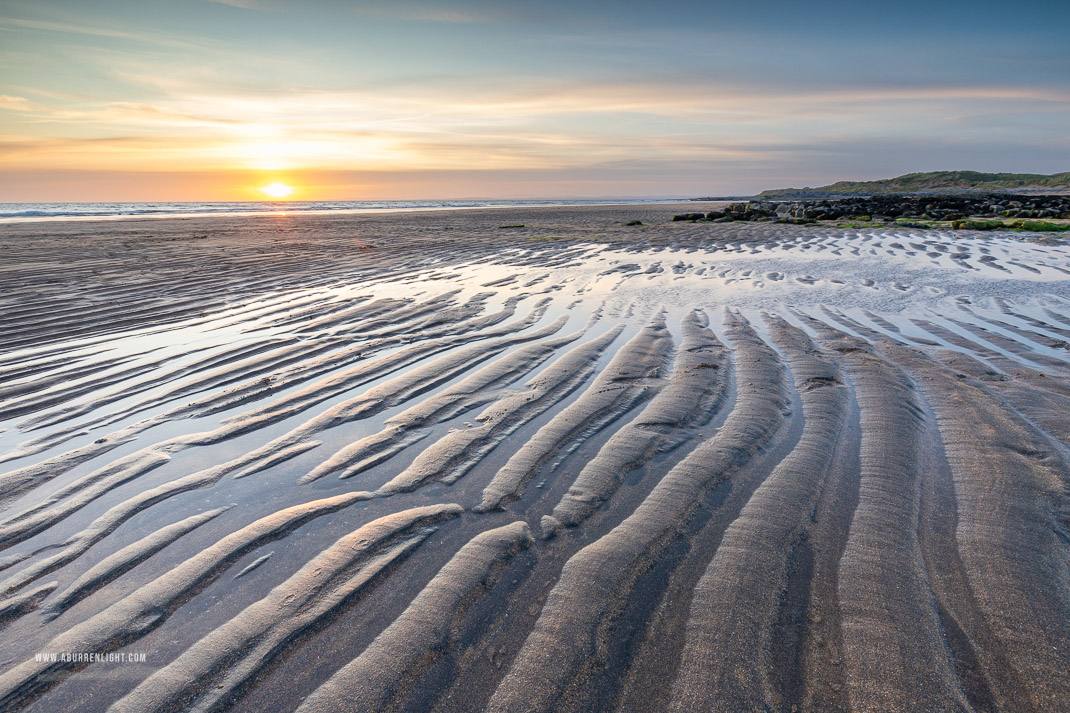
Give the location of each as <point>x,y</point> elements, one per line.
<point>423,462</point>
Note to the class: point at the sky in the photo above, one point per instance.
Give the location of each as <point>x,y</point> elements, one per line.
<point>168,100</point>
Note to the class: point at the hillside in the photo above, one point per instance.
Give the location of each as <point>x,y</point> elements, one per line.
<point>939,182</point>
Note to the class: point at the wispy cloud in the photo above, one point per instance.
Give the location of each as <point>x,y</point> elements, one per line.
<point>14,24</point>
<point>10,103</point>
<point>510,128</point>
<point>450,13</point>
<point>244,4</point>
<point>420,86</point>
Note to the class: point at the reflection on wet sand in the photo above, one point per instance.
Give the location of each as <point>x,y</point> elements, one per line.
<point>418,462</point>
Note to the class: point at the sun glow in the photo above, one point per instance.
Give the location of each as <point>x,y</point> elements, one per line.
<point>277,190</point>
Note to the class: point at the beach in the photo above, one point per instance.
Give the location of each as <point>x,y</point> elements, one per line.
<point>580,458</point>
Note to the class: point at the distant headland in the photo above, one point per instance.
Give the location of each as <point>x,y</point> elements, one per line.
<point>936,182</point>
<point>936,200</point>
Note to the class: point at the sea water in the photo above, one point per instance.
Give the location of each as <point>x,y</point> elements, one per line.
<point>26,212</point>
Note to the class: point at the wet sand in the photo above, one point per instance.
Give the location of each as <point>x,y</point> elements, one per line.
<point>424,462</point>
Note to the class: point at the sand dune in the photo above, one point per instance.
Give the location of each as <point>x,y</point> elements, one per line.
<point>415,462</point>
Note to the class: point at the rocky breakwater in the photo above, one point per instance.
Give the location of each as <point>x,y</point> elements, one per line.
<point>964,209</point>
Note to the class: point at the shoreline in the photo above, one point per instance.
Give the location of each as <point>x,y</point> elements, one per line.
<point>280,210</point>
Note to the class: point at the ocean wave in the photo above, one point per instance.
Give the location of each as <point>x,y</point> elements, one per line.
<point>18,212</point>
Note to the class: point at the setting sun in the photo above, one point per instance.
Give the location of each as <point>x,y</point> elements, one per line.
<point>277,190</point>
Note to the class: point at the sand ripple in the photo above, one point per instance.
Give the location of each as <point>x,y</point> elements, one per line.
<point>298,465</point>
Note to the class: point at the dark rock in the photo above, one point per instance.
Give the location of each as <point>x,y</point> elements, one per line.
<point>898,206</point>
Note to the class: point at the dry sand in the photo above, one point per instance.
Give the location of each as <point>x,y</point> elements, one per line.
<point>423,462</point>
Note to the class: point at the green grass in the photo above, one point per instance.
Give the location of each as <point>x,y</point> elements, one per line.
<point>518,225</point>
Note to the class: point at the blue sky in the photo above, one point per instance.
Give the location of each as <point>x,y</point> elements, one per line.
<point>201,100</point>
